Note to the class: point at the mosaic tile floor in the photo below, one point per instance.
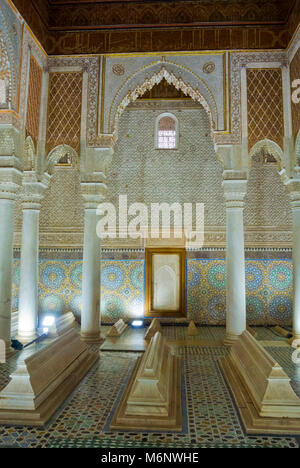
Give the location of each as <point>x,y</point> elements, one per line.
<point>212,418</point>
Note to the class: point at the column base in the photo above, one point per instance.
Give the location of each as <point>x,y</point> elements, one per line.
<point>91,337</point>
<point>26,337</point>
<point>230,339</point>
<point>102,334</point>
<point>294,337</point>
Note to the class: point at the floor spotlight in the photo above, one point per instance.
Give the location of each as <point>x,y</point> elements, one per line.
<point>48,321</point>
<point>137,323</point>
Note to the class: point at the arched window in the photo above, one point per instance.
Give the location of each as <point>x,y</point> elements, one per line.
<point>2,92</point>
<point>166,131</point>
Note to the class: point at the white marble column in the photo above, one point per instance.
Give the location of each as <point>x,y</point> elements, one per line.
<point>296,268</point>
<point>234,192</point>
<point>6,262</point>
<point>28,295</point>
<point>32,194</point>
<point>93,194</point>
<point>9,184</point>
<point>294,189</point>
<point>91,279</point>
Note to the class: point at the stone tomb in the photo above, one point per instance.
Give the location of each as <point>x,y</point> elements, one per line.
<point>117,329</point>
<point>262,390</point>
<point>251,331</point>
<point>154,327</point>
<point>152,399</point>
<point>62,324</point>
<point>43,380</point>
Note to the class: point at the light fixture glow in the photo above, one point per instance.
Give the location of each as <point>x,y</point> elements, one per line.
<point>137,323</point>
<point>136,311</point>
<point>48,321</point>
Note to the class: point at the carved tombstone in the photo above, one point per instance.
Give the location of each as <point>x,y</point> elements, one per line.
<point>262,390</point>
<point>152,399</point>
<point>62,324</point>
<point>43,380</point>
<point>117,329</point>
<point>154,328</point>
<point>192,329</point>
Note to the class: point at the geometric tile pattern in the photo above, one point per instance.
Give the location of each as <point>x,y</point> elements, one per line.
<point>60,288</point>
<point>64,110</point>
<point>34,100</point>
<point>268,291</point>
<point>265,106</point>
<point>122,290</point>
<point>295,75</point>
<point>212,418</point>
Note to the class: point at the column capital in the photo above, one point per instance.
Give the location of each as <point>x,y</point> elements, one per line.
<point>33,190</point>
<point>10,181</point>
<point>235,188</point>
<point>93,189</point>
<point>293,187</point>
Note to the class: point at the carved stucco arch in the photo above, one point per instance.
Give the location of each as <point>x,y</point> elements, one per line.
<point>29,155</point>
<point>270,147</point>
<point>172,73</point>
<point>58,153</point>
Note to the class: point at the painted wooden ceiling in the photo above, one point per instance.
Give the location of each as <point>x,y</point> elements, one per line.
<point>107,26</point>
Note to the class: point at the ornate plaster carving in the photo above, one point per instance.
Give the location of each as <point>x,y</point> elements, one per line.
<point>29,154</point>
<point>120,103</point>
<point>269,147</point>
<point>58,153</point>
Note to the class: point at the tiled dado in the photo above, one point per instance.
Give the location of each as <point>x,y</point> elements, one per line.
<point>268,291</point>
<point>60,283</point>
<point>268,283</point>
